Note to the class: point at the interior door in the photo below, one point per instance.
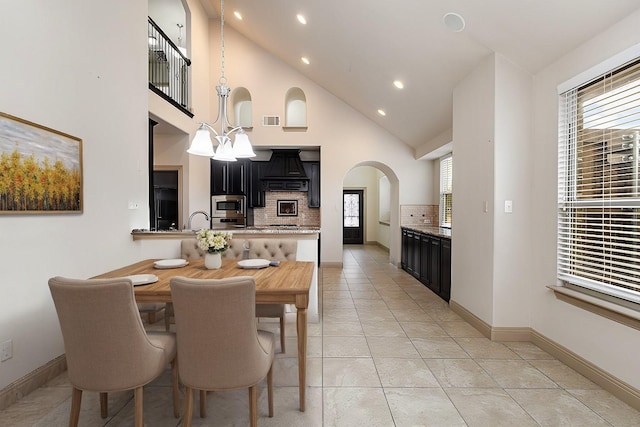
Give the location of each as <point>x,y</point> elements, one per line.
<point>353,220</point>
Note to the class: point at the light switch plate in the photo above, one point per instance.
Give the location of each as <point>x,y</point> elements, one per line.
<point>508,206</point>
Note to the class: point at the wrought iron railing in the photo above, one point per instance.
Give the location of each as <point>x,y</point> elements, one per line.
<point>168,68</point>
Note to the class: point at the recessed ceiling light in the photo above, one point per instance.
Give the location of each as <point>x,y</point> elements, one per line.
<point>305,60</point>
<point>238,15</point>
<point>381,112</point>
<point>398,84</point>
<point>454,22</point>
<point>301,19</point>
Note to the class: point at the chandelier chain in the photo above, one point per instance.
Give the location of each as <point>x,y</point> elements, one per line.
<point>222,79</point>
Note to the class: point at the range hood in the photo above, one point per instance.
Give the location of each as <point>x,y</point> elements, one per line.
<point>285,172</point>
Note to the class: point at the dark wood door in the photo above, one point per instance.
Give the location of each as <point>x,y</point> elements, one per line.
<point>352,218</point>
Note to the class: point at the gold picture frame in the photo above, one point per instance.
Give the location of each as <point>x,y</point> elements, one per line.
<point>40,169</point>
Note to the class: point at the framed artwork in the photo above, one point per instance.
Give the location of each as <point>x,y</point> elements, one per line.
<point>287,208</point>
<point>40,169</point>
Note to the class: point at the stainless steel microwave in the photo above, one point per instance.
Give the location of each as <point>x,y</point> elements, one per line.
<point>226,206</point>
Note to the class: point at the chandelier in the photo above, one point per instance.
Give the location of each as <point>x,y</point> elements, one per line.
<point>202,145</point>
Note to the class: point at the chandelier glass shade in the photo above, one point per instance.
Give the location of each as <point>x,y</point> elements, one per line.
<point>202,144</point>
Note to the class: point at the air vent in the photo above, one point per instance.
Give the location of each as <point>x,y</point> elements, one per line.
<point>270,120</point>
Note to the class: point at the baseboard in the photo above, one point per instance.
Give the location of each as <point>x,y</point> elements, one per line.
<point>612,384</point>
<point>472,319</point>
<point>30,382</point>
<point>331,264</point>
<point>623,391</point>
<point>376,243</point>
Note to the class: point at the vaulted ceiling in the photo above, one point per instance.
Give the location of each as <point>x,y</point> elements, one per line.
<point>357,49</point>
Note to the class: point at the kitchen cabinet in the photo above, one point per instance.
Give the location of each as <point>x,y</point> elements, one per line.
<point>427,257</point>
<point>445,269</point>
<point>430,261</point>
<point>229,177</point>
<point>411,252</point>
<point>256,197</point>
<point>312,169</point>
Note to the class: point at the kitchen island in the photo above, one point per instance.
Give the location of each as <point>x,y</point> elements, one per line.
<point>166,244</point>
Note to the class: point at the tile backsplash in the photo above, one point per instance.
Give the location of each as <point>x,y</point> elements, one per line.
<point>417,214</point>
<point>268,215</point>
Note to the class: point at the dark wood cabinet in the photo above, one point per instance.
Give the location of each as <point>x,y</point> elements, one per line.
<point>445,269</point>
<point>433,274</point>
<point>256,195</point>
<point>404,252</point>
<point>229,177</point>
<point>412,264</point>
<point>415,261</point>
<point>312,169</point>
<point>428,258</point>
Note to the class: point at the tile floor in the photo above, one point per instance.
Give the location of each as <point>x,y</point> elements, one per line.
<point>387,352</point>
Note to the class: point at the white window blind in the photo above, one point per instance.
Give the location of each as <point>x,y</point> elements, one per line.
<point>446,190</point>
<point>599,186</point>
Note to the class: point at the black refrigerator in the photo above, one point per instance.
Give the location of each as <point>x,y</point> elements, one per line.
<point>165,200</point>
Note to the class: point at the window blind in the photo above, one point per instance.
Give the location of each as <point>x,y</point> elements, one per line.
<point>599,186</point>
<point>446,190</point>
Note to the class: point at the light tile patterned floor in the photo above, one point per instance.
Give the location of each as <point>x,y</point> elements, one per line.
<point>387,352</point>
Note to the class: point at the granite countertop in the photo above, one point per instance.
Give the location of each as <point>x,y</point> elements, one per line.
<point>277,230</point>
<point>184,234</point>
<point>426,229</point>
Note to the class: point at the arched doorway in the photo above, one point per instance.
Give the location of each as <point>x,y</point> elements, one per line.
<point>379,187</point>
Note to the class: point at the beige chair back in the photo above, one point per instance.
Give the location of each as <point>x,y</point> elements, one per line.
<point>219,346</point>
<point>189,249</point>
<point>106,346</point>
<point>273,249</point>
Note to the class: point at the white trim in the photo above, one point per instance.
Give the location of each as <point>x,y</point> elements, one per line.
<point>596,71</point>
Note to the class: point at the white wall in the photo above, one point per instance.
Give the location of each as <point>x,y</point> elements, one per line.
<point>63,68</point>
<point>473,178</point>
<point>609,345</point>
<point>512,181</point>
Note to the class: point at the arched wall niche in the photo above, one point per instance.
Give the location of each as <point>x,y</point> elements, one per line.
<point>242,107</point>
<point>295,108</point>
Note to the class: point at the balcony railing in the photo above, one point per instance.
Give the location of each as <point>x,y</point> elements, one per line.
<point>168,69</point>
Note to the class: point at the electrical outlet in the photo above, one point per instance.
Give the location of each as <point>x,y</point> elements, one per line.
<point>6,350</point>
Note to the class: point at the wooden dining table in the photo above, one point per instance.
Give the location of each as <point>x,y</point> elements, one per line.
<point>288,283</point>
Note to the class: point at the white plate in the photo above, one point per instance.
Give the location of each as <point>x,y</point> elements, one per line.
<point>253,263</point>
<point>170,263</point>
<point>142,279</point>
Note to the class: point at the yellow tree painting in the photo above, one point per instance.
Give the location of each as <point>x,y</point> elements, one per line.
<point>40,169</point>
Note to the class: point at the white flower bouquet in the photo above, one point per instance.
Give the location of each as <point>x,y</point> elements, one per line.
<point>213,242</point>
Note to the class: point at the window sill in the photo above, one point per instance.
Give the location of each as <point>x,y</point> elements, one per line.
<point>615,312</point>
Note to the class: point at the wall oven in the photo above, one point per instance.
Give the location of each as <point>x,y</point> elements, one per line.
<point>228,211</point>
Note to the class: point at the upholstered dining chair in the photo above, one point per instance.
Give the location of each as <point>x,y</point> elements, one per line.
<point>274,250</point>
<point>189,249</point>
<point>219,344</point>
<point>106,346</point>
